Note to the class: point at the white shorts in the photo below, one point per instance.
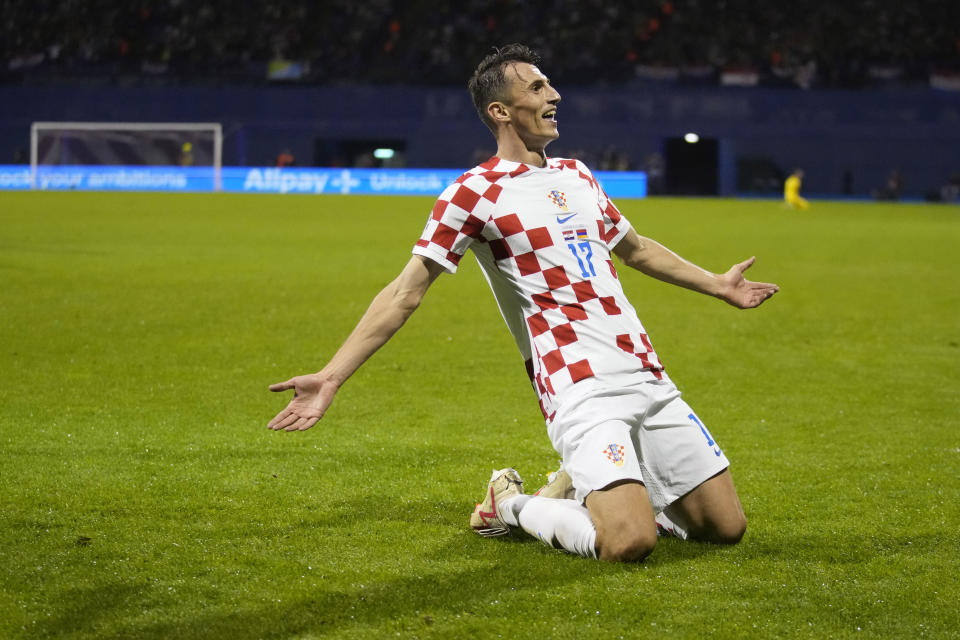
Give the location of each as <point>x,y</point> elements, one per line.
<point>644,432</point>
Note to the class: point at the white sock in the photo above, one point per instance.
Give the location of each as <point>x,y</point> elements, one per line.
<point>509,509</point>
<point>566,523</point>
<point>667,527</point>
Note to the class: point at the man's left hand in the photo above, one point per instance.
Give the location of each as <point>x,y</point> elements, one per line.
<point>743,293</point>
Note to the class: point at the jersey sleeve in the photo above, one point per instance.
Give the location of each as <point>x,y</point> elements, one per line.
<point>457,219</point>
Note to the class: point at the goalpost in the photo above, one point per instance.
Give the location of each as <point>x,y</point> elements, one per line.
<point>137,145</point>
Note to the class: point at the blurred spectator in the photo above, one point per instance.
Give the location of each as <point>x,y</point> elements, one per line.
<point>892,188</point>
<point>798,44</point>
<point>950,191</point>
<point>614,160</point>
<point>285,158</point>
<point>654,166</point>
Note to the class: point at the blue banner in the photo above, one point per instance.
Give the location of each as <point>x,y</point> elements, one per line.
<point>14,176</point>
<point>419,182</point>
<point>357,181</point>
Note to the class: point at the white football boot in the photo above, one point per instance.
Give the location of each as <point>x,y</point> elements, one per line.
<point>486,519</point>
<point>559,485</point>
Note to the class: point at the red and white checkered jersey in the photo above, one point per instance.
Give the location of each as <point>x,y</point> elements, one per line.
<point>543,238</point>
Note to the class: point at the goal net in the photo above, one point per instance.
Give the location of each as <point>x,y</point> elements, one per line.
<point>126,155</point>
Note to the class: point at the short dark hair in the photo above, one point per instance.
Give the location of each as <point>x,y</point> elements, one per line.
<point>489,82</point>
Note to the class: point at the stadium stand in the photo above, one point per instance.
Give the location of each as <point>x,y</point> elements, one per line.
<point>797,44</point>
<point>849,91</point>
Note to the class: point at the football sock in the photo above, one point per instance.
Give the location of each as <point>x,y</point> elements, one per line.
<point>509,509</point>
<point>563,523</point>
<point>667,527</point>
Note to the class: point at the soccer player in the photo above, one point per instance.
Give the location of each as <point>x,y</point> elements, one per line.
<point>543,232</point>
<point>791,191</point>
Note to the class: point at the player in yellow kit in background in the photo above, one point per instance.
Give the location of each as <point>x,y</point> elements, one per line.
<point>791,191</point>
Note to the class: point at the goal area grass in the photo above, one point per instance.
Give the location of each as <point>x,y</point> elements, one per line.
<point>143,497</point>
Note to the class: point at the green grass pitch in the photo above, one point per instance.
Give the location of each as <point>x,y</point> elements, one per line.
<point>143,497</point>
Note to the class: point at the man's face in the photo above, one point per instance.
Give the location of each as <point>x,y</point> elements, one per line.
<point>532,103</point>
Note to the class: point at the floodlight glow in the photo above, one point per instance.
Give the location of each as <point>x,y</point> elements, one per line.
<point>692,138</point>
<point>383,154</point>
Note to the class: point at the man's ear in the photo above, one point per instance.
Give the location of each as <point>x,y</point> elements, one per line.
<point>498,112</point>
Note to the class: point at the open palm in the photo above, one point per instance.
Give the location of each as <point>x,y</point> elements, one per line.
<point>312,395</point>
<point>743,293</point>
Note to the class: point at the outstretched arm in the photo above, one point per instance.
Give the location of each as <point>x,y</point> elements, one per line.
<point>314,392</point>
<point>655,260</point>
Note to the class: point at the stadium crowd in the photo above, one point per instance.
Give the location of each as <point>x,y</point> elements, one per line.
<point>803,43</point>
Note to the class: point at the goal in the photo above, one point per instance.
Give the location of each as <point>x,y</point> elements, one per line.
<point>134,149</point>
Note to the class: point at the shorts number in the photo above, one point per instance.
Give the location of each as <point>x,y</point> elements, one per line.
<point>706,434</point>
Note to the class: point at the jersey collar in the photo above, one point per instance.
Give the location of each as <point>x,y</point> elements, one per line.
<point>499,164</point>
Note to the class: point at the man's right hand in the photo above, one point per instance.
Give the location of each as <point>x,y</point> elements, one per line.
<point>385,315</point>
<point>312,395</point>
